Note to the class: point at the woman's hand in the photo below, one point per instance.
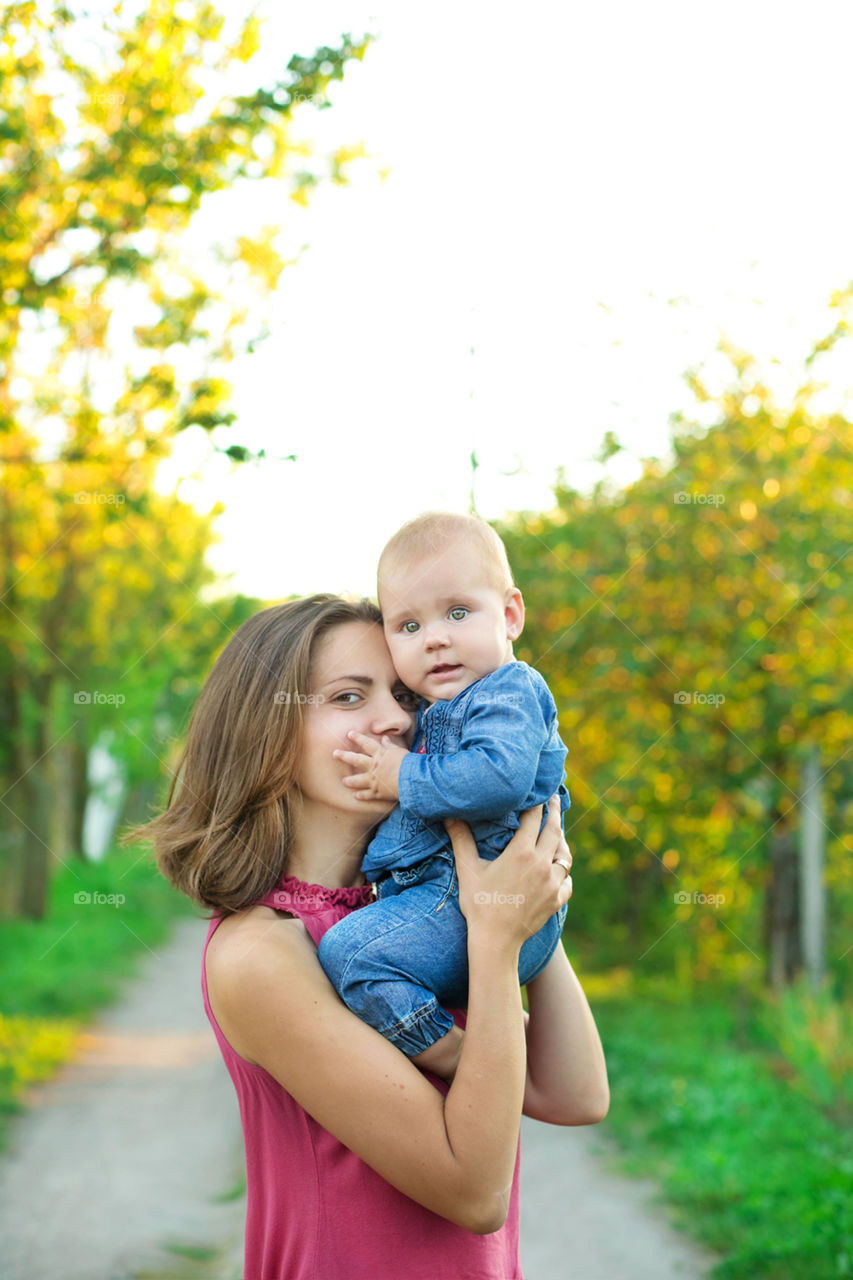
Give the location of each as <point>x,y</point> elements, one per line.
<point>511,897</point>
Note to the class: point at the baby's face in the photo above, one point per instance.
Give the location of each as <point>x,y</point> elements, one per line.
<point>445,624</point>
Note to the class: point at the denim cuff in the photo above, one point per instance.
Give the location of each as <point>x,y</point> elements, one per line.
<point>420,1030</point>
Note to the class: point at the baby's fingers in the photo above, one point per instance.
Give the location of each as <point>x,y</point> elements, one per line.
<point>354,758</point>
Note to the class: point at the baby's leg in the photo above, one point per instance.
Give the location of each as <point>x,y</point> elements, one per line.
<point>395,960</point>
<point>540,947</point>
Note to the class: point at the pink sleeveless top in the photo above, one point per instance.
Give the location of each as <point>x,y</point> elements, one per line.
<point>315,1210</point>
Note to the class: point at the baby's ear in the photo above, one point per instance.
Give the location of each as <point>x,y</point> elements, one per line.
<point>514,613</point>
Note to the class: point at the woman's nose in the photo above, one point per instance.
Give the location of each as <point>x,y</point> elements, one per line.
<point>392,718</point>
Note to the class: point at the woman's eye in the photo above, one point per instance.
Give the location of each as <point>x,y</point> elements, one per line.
<point>409,628</point>
<point>407,700</point>
<point>458,613</point>
<point>342,698</point>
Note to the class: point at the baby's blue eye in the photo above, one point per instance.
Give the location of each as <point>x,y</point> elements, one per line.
<point>409,628</point>
<point>459,613</point>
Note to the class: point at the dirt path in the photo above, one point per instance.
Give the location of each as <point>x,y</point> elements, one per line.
<point>125,1150</point>
<point>582,1221</point>
<point>118,1170</point>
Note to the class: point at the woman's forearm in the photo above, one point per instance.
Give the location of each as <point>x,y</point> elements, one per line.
<point>483,1107</point>
<point>567,1073</point>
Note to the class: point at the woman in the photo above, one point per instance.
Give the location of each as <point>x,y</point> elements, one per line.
<point>359,1166</point>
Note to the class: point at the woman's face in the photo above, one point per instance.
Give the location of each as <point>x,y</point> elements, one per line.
<point>353,686</point>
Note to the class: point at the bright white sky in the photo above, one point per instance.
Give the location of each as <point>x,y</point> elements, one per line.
<point>558,175</point>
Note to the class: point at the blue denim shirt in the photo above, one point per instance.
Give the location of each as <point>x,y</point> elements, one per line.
<point>490,753</point>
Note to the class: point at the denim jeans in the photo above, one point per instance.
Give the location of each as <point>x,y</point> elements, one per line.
<point>399,960</point>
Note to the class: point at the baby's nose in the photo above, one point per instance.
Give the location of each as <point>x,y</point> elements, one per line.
<point>435,636</point>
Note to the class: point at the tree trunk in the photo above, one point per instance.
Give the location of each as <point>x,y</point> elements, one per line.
<point>37,853</point>
<point>79,787</point>
<point>31,796</point>
<point>782,916</point>
<point>812,858</point>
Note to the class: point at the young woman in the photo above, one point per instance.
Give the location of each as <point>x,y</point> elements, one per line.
<point>359,1166</point>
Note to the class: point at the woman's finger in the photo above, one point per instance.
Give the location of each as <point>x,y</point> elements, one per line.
<point>464,844</point>
<point>530,820</point>
<point>551,836</point>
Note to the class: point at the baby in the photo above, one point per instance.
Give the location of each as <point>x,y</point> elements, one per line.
<point>486,748</point>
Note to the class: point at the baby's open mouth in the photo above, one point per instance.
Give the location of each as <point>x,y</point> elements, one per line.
<point>443,667</point>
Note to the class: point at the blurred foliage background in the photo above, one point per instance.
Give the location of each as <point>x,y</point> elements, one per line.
<point>696,627</point>
<point>108,149</point>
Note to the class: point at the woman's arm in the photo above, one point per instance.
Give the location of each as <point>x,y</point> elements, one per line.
<point>566,1071</point>
<point>455,1154</point>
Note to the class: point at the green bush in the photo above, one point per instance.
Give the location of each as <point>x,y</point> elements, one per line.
<point>757,1171</point>
<point>54,973</point>
<point>70,963</point>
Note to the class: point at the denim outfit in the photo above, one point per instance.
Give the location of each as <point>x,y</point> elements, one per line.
<point>485,756</point>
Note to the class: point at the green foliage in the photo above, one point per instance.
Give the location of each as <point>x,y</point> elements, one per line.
<point>696,628</point>
<point>72,963</point>
<point>755,1170</point>
<point>55,973</point>
<point>116,332</point>
<point>814,1034</point>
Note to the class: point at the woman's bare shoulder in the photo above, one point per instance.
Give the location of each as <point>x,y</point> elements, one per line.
<point>256,936</point>
<point>254,949</point>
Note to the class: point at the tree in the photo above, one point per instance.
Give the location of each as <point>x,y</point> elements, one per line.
<point>696,628</point>
<point>113,339</point>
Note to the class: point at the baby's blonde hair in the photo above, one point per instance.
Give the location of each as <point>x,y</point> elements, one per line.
<point>434,531</point>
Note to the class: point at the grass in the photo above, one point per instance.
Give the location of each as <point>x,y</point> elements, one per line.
<point>55,973</point>
<point>705,1102</point>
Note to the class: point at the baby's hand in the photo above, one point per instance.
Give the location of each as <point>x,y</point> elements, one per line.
<point>377,767</point>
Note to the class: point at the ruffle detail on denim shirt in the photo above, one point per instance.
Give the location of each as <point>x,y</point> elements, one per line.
<point>292,892</point>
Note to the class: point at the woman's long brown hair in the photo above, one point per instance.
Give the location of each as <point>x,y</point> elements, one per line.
<point>228,827</point>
